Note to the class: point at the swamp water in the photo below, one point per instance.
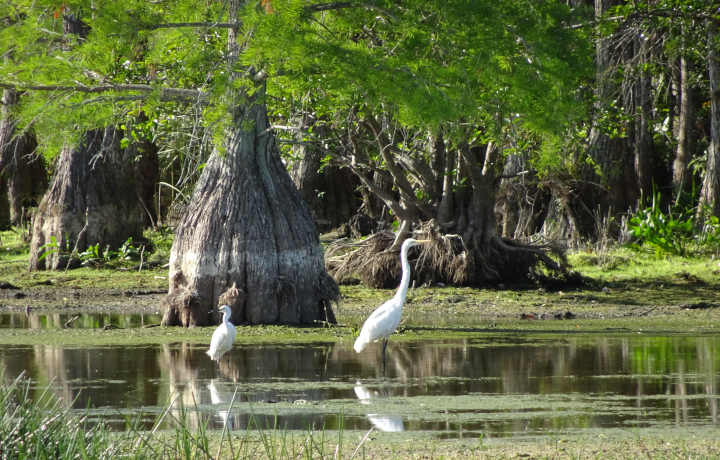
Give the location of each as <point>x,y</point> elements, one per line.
<point>496,384</point>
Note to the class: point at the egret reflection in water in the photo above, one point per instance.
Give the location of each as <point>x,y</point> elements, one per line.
<point>381,422</point>
<point>218,398</point>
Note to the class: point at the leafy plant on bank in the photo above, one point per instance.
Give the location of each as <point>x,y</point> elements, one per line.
<point>93,255</point>
<point>681,231</point>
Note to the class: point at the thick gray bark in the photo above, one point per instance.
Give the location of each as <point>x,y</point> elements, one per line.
<point>247,228</point>
<point>92,199</point>
<point>643,135</point>
<point>247,239</point>
<point>682,176</point>
<point>711,185</point>
<point>23,169</point>
<point>89,202</point>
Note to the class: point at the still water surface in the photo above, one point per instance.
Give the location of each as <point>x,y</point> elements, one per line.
<point>499,385</point>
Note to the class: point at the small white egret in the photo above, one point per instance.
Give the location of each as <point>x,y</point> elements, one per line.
<point>383,322</point>
<point>223,337</point>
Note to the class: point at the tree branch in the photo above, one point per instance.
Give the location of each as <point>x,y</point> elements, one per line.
<point>422,173</point>
<point>236,25</point>
<point>399,177</point>
<point>474,170</point>
<point>164,94</point>
<point>331,6</point>
<point>393,204</point>
<point>177,25</point>
<point>662,13</point>
<point>511,176</point>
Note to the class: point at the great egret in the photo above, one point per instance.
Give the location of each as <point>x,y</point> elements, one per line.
<point>223,337</point>
<point>383,322</point>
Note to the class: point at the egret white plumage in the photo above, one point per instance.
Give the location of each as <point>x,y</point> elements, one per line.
<point>383,322</point>
<point>223,337</point>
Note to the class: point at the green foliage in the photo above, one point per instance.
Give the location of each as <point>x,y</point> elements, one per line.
<point>54,247</point>
<point>94,255</point>
<point>509,68</point>
<point>428,63</point>
<point>123,46</point>
<point>161,240</point>
<point>681,231</point>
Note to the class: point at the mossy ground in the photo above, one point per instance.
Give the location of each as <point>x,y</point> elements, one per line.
<point>625,290</point>
<point>390,446</point>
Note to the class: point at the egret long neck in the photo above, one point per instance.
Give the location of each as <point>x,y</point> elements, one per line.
<point>405,281</point>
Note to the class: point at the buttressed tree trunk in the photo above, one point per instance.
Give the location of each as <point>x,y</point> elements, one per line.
<point>89,202</point>
<point>497,258</point>
<point>459,217</point>
<point>23,169</point>
<point>711,185</point>
<point>247,239</point>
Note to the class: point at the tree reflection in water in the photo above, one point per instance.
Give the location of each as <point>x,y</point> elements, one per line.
<point>499,384</point>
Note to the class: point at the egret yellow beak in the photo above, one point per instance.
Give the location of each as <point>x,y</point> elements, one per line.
<point>423,241</point>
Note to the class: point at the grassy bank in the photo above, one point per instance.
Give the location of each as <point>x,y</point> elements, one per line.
<point>618,277</point>
<point>626,290</point>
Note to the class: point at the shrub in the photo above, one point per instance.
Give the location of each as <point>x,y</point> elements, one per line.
<point>681,231</point>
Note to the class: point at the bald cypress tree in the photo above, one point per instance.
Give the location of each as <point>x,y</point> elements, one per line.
<point>91,201</point>
<point>246,239</point>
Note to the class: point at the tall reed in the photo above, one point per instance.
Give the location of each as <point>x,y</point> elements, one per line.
<point>44,427</point>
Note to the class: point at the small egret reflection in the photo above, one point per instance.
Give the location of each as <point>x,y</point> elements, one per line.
<point>217,398</point>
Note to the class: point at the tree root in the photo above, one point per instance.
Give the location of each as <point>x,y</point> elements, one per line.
<point>451,259</point>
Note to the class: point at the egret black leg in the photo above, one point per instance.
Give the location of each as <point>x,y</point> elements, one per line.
<point>384,346</point>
